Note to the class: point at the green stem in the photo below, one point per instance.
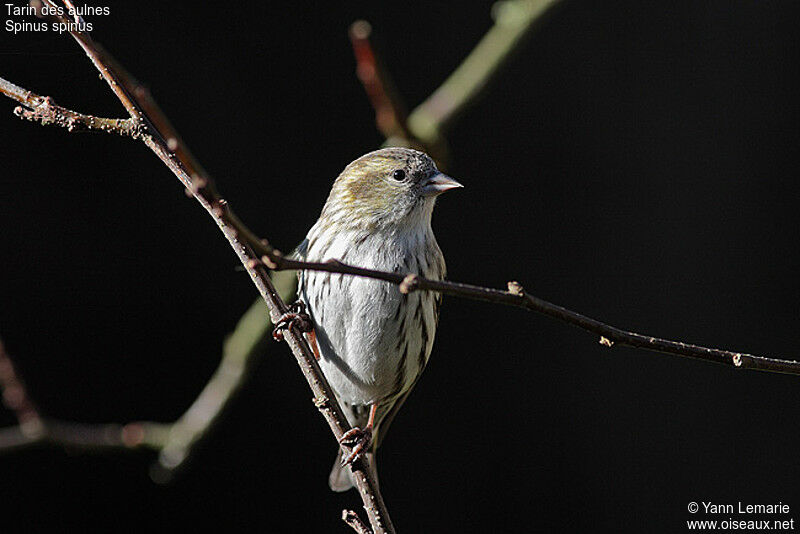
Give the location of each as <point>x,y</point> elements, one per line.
<point>513,20</point>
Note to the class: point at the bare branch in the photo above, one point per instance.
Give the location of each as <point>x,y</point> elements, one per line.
<point>16,398</point>
<point>84,436</point>
<point>514,18</point>
<point>150,125</point>
<point>170,150</point>
<point>517,296</point>
<point>43,109</point>
<point>239,352</point>
<point>352,519</point>
<point>425,127</point>
<point>391,117</point>
<point>174,441</point>
<point>34,429</point>
<point>513,21</point>
<point>390,114</point>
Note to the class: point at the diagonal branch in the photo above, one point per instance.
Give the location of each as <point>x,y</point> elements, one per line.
<point>174,441</point>
<point>33,428</point>
<point>354,521</point>
<point>514,19</point>
<point>150,125</point>
<point>171,151</point>
<point>390,114</point>
<point>427,122</point>
<point>16,398</point>
<point>425,127</point>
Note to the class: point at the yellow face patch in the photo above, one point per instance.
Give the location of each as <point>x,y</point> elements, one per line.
<point>370,193</point>
<point>366,182</point>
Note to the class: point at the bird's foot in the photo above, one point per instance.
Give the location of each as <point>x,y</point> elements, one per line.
<point>296,317</point>
<point>358,441</point>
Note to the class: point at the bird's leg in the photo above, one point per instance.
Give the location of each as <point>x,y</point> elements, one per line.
<point>311,336</point>
<point>297,317</point>
<point>357,439</point>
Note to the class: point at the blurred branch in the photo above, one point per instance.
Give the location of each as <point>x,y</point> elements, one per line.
<point>239,351</point>
<point>16,399</point>
<point>425,127</point>
<point>513,21</point>
<point>149,124</point>
<point>390,113</point>
<point>176,440</point>
<point>33,428</point>
<point>158,135</point>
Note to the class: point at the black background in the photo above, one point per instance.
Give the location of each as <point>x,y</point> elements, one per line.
<point>636,161</point>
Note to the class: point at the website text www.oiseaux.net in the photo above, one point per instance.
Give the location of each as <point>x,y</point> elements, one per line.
<point>741,523</point>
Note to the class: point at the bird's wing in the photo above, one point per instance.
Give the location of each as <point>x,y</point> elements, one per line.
<point>300,253</point>
<point>387,419</point>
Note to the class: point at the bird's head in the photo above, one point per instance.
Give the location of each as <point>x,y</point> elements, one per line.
<point>387,187</point>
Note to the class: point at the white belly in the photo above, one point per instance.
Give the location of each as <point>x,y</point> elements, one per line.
<point>373,340</point>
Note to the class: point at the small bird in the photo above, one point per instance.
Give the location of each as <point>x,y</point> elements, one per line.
<point>373,341</point>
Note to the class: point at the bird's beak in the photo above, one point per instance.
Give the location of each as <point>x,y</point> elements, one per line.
<point>438,184</point>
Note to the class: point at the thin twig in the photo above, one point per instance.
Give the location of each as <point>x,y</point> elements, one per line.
<point>33,428</point>
<point>175,441</point>
<point>390,113</point>
<point>513,21</point>
<point>82,436</point>
<point>43,109</point>
<point>355,522</point>
<point>425,127</point>
<point>148,123</point>
<point>239,351</point>
<point>78,19</point>
<point>170,150</point>
<point>16,398</point>
<point>438,111</point>
<point>391,117</point>
<point>515,295</point>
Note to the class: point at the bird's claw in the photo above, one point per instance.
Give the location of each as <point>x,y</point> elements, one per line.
<point>296,317</point>
<point>358,441</point>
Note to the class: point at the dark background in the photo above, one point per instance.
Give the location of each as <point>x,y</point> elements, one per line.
<point>636,161</point>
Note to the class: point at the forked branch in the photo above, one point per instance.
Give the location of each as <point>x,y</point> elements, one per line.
<point>173,441</point>
<point>43,109</point>
<point>425,125</point>
<point>150,125</point>
<point>158,135</point>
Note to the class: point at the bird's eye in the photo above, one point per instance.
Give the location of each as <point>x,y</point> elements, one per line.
<point>399,175</point>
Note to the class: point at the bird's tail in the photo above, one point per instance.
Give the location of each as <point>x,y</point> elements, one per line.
<point>341,479</point>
